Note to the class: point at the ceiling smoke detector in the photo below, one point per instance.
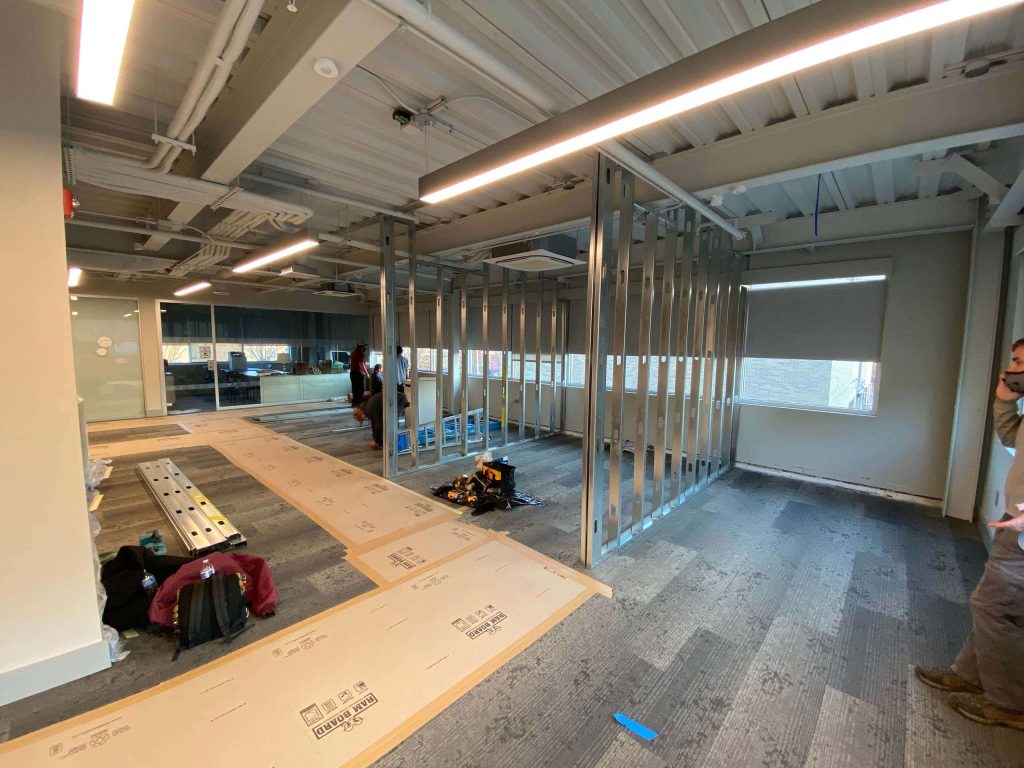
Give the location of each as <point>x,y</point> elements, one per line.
<point>292,7</point>
<point>326,68</point>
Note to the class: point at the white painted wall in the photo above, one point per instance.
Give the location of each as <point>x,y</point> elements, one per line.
<point>904,447</point>
<point>51,627</point>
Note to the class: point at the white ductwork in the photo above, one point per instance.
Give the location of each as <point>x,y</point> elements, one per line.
<point>433,30</point>
<point>235,24</point>
<point>133,177</point>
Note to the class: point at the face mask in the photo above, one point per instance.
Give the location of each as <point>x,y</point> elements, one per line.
<point>1014,382</point>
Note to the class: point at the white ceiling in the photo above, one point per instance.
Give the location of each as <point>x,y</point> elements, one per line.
<point>349,144</point>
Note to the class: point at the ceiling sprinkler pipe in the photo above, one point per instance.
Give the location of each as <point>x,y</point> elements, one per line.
<point>214,48</point>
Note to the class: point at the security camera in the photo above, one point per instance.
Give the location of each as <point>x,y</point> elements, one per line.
<point>292,7</point>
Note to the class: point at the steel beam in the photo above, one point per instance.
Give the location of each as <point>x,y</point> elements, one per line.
<point>684,321</point>
<point>412,418</point>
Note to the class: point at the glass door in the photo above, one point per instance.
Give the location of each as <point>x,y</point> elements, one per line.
<point>189,354</point>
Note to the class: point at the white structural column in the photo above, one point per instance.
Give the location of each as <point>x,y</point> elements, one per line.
<point>151,342</point>
<point>974,389</point>
<point>48,601</point>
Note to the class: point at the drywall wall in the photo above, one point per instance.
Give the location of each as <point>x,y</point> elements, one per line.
<point>905,446</point>
<point>48,601</point>
<point>991,502</point>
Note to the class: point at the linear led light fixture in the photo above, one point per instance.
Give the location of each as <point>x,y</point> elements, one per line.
<point>838,28</point>
<point>74,278</point>
<point>202,285</point>
<point>817,283</point>
<point>280,249</point>
<point>101,47</point>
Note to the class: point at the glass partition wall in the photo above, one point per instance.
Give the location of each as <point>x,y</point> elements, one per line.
<point>227,357</point>
<point>108,366</point>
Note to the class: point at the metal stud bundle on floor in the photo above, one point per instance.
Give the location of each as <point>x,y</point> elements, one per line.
<point>199,524</point>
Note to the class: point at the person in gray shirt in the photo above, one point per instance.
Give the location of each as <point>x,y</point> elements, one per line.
<point>987,679</point>
<point>402,367</point>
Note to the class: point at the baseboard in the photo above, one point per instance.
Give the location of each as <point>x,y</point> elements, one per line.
<point>882,492</point>
<point>49,673</point>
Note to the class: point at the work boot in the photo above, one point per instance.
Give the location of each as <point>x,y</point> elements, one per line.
<point>945,679</point>
<point>981,710</point>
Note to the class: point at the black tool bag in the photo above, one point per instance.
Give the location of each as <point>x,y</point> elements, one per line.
<point>208,609</point>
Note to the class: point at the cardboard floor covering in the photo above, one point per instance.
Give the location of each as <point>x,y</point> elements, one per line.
<point>343,687</point>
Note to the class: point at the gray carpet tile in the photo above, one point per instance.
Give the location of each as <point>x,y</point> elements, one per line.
<point>765,622</point>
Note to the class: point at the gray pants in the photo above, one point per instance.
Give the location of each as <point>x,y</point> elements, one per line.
<point>993,656</point>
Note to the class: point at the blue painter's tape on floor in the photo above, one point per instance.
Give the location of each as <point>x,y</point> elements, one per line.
<point>640,730</point>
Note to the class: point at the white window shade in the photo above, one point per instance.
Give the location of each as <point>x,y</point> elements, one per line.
<point>830,322</point>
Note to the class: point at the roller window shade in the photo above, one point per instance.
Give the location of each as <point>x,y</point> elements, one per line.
<point>833,322</point>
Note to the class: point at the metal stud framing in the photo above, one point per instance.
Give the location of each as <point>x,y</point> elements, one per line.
<point>464,298</point>
<point>387,324</point>
<point>686,344</point>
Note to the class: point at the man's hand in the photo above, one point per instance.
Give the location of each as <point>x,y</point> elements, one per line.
<point>1015,524</point>
<point>1003,392</point>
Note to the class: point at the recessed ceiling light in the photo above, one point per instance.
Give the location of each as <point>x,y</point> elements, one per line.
<point>101,47</point>
<point>74,298</point>
<point>74,276</point>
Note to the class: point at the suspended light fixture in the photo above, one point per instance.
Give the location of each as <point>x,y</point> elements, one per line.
<point>101,47</point>
<point>766,53</point>
<point>74,277</point>
<point>278,250</point>
<point>202,285</point>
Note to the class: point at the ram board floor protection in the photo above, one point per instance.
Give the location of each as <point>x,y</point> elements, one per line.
<point>344,687</point>
<point>341,688</point>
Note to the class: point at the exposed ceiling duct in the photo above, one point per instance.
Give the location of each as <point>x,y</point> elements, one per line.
<point>123,174</point>
<point>235,24</point>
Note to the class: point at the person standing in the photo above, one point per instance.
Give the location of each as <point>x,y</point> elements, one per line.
<point>986,681</point>
<point>402,368</point>
<point>377,380</point>
<point>358,373</point>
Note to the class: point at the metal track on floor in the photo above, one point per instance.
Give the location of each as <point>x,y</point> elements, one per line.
<point>199,524</point>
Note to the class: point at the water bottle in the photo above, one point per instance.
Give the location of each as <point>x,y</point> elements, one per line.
<point>148,582</point>
<point>207,570</point>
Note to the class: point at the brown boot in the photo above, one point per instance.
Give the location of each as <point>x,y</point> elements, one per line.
<point>981,710</point>
<point>945,679</point>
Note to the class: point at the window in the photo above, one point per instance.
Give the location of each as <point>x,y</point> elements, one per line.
<point>839,385</point>
<point>176,353</point>
<point>814,344</point>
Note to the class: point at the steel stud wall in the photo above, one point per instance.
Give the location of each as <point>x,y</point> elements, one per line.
<point>691,309</point>
<point>463,298</point>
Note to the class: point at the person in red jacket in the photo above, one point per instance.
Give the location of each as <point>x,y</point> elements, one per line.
<point>358,373</point>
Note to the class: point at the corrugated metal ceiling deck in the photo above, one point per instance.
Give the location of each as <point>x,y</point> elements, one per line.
<point>348,142</point>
